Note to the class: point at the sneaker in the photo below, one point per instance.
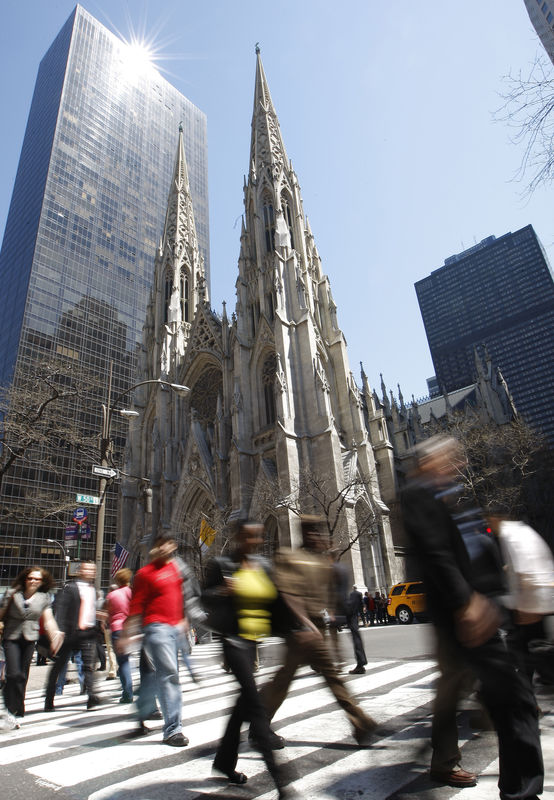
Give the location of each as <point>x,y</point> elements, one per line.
<point>12,722</point>
<point>125,698</point>
<point>177,740</point>
<point>359,670</point>
<point>155,715</point>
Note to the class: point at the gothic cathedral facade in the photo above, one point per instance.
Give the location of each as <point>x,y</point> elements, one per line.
<point>274,422</point>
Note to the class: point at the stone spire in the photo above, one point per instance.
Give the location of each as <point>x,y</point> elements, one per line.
<point>267,149</point>
<point>179,278</point>
<point>179,229</point>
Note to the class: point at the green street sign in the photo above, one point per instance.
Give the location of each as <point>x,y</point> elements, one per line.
<point>88,499</point>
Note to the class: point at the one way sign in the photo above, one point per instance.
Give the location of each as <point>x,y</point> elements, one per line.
<point>105,472</point>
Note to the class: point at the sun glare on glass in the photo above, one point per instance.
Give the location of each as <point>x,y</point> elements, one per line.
<point>138,57</point>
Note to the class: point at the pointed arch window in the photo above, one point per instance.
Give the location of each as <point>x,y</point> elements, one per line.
<point>184,297</point>
<point>269,226</point>
<point>268,382</point>
<point>168,285</point>
<point>288,219</point>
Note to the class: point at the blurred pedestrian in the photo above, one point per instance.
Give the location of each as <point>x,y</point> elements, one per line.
<point>23,606</point>
<point>467,624</point>
<point>529,567</point>
<point>355,610</point>
<point>76,618</point>
<point>157,610</point>
<point>241,594</point>
<point>304,578</point>
<point>118,603</point>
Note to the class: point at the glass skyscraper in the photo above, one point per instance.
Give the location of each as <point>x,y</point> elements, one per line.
<point>498,294</point>
<point>77,259</point>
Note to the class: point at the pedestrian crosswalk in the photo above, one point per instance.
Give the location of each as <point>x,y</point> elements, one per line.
<point>82,755</point>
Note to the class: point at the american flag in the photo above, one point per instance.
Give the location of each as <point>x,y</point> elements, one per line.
<point>120,557</point>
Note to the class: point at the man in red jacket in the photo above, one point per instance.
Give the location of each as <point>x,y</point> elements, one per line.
<point>157,607</point>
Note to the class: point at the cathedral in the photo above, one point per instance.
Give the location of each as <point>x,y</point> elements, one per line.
<point>274,423</point>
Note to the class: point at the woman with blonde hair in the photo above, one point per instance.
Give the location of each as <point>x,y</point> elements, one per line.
<point>23,606</point>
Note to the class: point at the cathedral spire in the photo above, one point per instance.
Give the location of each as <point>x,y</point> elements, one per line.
<point>179,278</point>
<point>179,229</point>
<point>267,149</point>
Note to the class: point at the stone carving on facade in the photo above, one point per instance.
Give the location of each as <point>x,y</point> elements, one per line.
<point>237,398</point>
<point>355,392</point>
<point>280,376</point>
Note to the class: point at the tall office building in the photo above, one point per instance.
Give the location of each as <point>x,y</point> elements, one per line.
<point>85,220</point>
<point>541,14</point>
<point>500,295</point>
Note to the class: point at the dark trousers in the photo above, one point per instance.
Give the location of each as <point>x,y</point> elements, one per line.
<point>19,654</point>
<point>240,655</point>
<point>521,637</point>
<point>359,652</point>
<point>85,641</point>
<point>508,697</point>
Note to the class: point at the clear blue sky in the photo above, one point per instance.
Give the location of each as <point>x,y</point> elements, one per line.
<point>386,112</point>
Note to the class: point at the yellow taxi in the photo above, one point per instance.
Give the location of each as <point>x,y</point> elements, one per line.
<point>406,601</point>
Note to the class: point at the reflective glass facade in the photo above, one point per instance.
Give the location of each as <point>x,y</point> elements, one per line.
<point>499,293</point>
<point>77,259</point>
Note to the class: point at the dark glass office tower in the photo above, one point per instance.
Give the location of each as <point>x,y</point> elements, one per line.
<point>77,258</point>
<point>498,294</point>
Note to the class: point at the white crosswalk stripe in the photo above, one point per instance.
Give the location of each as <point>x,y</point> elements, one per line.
<point>84,755</point>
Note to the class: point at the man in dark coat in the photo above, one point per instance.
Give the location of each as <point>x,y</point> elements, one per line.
<point>467,624</point>
<point>76,617</point>
<point>355,607</point>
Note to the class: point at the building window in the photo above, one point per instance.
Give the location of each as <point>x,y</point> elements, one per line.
<point>288,220</point>
<point>269,227</point>
<point>167,295</point>
<point>184,297</point>
<point>268,382</point>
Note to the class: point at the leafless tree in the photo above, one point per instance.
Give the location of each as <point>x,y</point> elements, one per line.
<point>511,465</point>
<point>40,429</point>
<point>313,493</point>
<point>527,110</point>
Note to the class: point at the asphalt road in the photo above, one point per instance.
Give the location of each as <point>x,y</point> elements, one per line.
<point>75,755</point>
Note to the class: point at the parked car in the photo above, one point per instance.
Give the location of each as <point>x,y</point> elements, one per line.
<point>406,601</point>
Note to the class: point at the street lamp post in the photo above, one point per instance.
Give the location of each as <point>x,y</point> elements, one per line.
<point>105,452</point>
<point>65,556</point>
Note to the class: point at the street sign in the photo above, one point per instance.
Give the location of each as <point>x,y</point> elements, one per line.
<point>87,499</point>
<point>85,532</point>
<point>71,535</point>
<point>105,472</point>
<point>79,515</point>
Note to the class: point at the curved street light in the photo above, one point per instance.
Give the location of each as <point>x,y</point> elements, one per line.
<point>65,556</point>
<point>105,449</point>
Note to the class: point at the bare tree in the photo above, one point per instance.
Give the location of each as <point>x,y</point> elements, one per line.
<point>527,109</point>
<point>40,430</point>
<point>511,465</point>
<point>313,493</point>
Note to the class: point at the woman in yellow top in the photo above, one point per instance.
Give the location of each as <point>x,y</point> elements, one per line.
<point>244,578</point>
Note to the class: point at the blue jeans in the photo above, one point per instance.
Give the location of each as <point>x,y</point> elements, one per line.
<point>78,660</point>
<point>160,649</point>
<point>124,666</point>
